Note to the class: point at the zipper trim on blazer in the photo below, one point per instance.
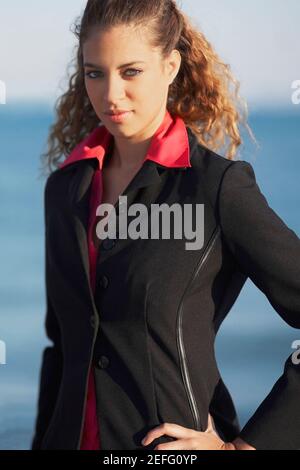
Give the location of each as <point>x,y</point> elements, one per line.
<point>180,342</point>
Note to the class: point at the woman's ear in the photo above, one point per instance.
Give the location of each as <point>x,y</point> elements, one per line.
<point>174,63</point>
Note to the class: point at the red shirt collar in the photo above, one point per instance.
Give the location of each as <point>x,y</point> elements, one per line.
<point>169,146</point>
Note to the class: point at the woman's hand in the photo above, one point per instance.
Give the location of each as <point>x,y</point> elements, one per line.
<point>187,438</point>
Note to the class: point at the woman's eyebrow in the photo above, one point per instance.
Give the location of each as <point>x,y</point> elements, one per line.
<point>89,64</point>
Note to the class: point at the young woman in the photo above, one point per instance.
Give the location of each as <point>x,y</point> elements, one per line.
<point>133,319</point>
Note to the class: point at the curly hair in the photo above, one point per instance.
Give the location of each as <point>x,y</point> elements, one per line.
<point>204,94</point>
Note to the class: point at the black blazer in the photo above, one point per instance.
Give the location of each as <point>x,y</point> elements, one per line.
<point>158,317</point>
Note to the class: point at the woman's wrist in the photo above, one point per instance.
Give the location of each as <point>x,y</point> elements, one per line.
<point>229,446</point>
<point>239,444</point>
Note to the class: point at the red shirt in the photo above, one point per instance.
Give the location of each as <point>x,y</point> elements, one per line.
<point>169,147</point>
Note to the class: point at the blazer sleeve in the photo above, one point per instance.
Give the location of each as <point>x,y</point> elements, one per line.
<point>52,361</point>
<point>267,251</point>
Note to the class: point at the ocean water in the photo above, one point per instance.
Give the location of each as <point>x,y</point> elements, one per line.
<point>253,342</point>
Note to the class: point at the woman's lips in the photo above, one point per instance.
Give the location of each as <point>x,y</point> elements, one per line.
<point>119,117</point>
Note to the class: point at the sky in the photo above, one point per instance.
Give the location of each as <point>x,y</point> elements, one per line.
<point>259,39</point>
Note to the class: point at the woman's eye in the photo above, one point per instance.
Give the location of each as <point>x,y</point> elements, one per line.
<point>136,72</point>
<point>88,74</point>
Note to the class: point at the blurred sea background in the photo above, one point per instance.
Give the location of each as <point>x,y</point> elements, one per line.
<point>253,342</point>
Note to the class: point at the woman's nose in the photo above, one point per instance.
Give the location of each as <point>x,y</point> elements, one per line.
<point>113,90</point>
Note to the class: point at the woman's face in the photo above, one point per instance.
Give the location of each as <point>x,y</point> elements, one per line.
<point>141,87</point>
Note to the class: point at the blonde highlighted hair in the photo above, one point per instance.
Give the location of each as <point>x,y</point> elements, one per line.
<point>204,94</point>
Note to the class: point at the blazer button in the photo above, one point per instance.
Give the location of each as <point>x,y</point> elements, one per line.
<point>108,243</point>
<point>103,362</point>
<point>103,281</point>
